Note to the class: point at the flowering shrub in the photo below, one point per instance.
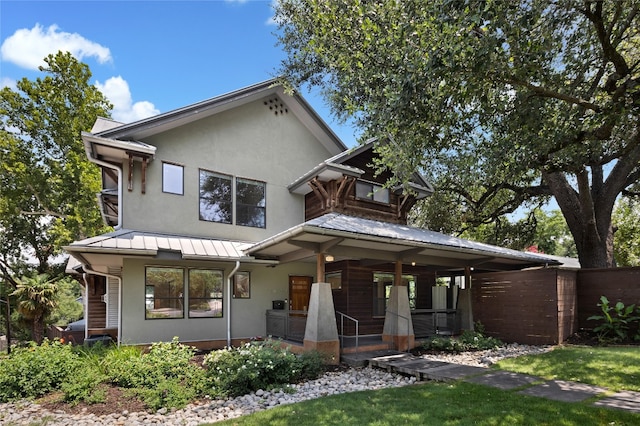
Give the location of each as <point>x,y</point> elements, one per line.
<point>258,365</point>
<point>467,341</point>
<point>36,370</point>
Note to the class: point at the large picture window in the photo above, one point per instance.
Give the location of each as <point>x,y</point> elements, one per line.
<point>164,293</point>
<point>216,197</point>
<point>250,203</point>
<point>205,293</point>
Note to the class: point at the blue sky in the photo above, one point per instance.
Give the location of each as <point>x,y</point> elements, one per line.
<point>150,57</point>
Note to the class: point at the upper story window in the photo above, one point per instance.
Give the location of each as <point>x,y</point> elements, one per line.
<point>172,178</point>
<point>250,203</point>
<point>218,200</point>
<point>372,191</point>
<point>216,197</point>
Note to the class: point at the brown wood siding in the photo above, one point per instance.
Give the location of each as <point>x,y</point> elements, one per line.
<point>356,296</point>
<point>567,304</point>
<point>617,284</point>
<point>519,306</point>
<point>96,308</point>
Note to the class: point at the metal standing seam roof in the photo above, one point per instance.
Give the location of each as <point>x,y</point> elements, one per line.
<point>368,229</point>
<point>141,243</point>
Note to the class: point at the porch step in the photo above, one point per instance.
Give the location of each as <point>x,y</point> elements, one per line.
<point>363,358</point>
<point>424,369</point>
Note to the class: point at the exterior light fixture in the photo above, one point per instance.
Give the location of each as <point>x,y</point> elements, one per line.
<point>329,258</point>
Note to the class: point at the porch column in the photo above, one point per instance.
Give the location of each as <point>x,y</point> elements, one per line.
<point>321,332</point>
<point>398,327</point>
<point>464,307</point>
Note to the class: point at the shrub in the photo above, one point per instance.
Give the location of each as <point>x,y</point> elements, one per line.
<point>36,370</point>
<point>615,321</point>
<point>84,386</point>
<point>259,365</point>
<point>467,341</point>
<point>164,375</point>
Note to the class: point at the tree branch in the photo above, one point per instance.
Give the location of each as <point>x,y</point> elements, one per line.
<point>552,94</point>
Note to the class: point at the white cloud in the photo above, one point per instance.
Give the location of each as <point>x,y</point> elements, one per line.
<point>8,82</point>
<point>116,89</point>
<point>28,47</point>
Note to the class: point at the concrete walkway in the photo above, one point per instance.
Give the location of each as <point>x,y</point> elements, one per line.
<point>558,390</point>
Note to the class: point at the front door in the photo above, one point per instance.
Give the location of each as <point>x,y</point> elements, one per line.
<point>299,292</point>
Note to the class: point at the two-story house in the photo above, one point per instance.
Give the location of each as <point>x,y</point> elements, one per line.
<point>244,215</point>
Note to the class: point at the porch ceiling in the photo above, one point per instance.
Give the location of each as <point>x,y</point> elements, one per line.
<point>347,237</point>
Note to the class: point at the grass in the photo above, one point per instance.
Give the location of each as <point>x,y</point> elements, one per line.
<point>614,368</point>
<point>461,403</point>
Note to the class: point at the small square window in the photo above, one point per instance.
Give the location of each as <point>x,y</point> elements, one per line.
<point>172,178</point>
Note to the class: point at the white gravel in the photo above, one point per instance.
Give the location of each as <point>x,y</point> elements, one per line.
<point>353,379</point>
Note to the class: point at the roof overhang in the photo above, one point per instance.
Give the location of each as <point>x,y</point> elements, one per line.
<point>108,250</point>
<point>347,237</point>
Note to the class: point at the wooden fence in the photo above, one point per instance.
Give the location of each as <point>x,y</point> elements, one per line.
<point>75,337</point>
<point>546,306</point>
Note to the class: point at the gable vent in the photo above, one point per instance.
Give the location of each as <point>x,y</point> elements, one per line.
<point>276,106</point>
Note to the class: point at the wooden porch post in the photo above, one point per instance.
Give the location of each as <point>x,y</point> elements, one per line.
<point>320,267</point>
<point>464,308</point>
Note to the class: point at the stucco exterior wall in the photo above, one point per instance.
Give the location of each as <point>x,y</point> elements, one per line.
<point>248,142</point>
<point>247,315</point>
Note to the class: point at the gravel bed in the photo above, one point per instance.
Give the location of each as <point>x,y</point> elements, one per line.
<point>349,380</point>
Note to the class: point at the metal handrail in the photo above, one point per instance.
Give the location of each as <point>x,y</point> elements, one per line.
<point>408,325</point>
<point>357,323</point>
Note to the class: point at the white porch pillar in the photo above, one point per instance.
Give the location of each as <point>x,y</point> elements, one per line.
<point>464,306</point>
<point>321,332</point>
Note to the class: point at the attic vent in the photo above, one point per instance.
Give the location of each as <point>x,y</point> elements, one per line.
<point>276,105</point>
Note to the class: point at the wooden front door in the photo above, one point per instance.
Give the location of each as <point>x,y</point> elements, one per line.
<point>299,292</point>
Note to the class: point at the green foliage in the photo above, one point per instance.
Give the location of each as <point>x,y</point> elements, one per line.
<point>626,245</point>
<point>615,321</point>
<point>36,298</point>
<point>68,307</point>
<point>501,104</point>
<point>467,341</point>
<point>84,385</point>
<point>258,365</point>
<point>168,392</point>
<point>47,185</point>
<point>36,370</point>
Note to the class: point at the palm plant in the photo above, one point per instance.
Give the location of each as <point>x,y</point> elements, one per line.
<point>36,299</point>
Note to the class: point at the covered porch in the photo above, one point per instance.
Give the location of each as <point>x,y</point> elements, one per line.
<point>382,281</point>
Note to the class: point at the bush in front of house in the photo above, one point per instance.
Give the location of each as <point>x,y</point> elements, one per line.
<point>35,370</point>
<point>258,365</point>
<point>467,341</point>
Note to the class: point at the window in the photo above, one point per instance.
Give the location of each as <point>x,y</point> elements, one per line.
<point>172,178</point>
<point>242,285</point>
<point>216,204</point>
<point>250,203</point>
<point>372,191</point>
<point>164,291</point>
<point>382,283</point>
<point>205,293</point>
<point>335,279</point>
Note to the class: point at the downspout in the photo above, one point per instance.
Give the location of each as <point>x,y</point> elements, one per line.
<point>229,289</point>
<point>102,274</point>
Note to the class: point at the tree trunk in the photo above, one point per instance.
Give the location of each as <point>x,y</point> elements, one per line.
<point>37,328</point>
<point>588,218</point>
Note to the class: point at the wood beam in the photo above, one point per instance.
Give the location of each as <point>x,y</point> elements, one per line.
<point>130,185</point>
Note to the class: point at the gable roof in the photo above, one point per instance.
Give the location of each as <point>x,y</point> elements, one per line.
<point>295,103</point>
<point>351,237</point>
<point>335,167</point>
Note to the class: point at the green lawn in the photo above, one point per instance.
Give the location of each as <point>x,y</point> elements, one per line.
<point>460,403</point>
<point>614,368</point>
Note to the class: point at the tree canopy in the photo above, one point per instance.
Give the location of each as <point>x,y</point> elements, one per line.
<point>500,103</point>
<point>47,185</point>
